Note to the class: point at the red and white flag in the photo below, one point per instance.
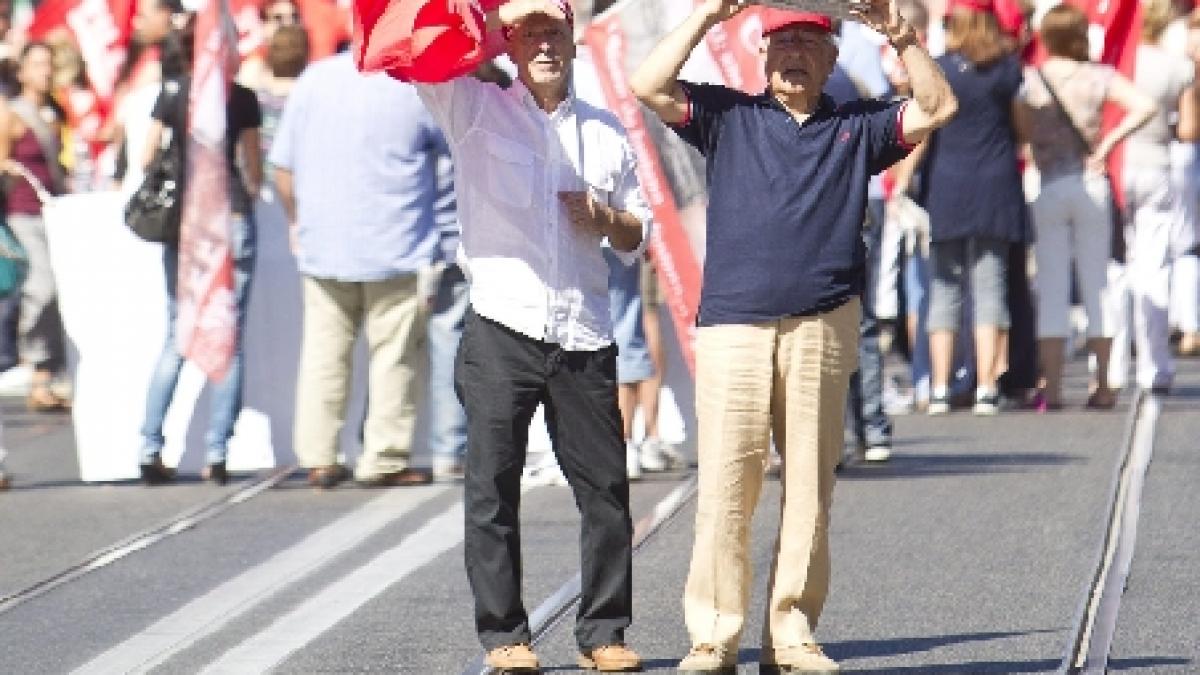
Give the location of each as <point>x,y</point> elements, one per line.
<point>101,28</point>
<point>423,40</point>
<point>206,327</point>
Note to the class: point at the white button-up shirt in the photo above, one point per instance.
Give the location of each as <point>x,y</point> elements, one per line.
<point>531,268</point>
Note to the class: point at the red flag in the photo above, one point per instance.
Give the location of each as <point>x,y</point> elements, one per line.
<point>1121,21</point>
<point>206,327</point>
<point>101,28</point>
<point>423,40</point>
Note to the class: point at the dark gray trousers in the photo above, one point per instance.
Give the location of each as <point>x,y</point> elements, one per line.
<point>501,376</point>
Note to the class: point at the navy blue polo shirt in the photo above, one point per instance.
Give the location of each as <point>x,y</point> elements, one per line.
<point>786,200</point>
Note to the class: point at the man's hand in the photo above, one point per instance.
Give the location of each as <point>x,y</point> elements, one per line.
<point>883,16</point>
<point>720,10</point>
<point>515,11</point>
<point>587,213</point>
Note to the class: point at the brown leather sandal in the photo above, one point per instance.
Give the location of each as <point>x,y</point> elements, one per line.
<point>42,399</point>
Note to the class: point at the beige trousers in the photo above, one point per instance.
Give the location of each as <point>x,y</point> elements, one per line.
<point>787,378</point>
<point>393,317</point>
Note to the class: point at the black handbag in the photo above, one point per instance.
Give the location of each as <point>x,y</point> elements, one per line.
<point>155,209</point>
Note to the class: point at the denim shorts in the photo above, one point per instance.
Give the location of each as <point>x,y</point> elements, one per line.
<point>625,307</point>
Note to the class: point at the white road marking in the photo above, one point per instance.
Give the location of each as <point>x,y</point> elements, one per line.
<point>212,611</point>
<point>339,600</point>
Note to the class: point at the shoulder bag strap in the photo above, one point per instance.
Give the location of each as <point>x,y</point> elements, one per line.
<point>1075,131</point>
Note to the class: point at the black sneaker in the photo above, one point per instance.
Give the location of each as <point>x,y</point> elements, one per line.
<point>155,473</point>
<point>217,473</point>
<point>987,404</point>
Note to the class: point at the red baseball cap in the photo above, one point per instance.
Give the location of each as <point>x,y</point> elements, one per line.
<point>982,6</point>
<point>778,19</point>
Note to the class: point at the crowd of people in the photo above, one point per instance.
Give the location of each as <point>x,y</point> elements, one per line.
<point>970,221</point>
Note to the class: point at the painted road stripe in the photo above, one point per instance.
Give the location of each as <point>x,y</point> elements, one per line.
<point>339,600</point>
<point>212,611</point>
<point>185,521</point>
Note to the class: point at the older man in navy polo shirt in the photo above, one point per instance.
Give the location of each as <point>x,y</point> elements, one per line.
<point>779,311</point>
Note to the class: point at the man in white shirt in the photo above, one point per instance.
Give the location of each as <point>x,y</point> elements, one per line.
<point>542,179</point>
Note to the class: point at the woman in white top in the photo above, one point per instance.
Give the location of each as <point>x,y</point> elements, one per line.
<point>1159,225</point>
<point>1071,213</point>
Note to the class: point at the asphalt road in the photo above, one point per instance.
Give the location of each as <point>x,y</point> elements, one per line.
<point>969,552</point>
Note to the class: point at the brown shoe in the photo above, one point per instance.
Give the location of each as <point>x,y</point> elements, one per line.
<point>512,658</point>
<point>807,659</point>
<point>402,478</point>
<point>42,399</point>
<point>4,482</point>
<point>1189,345</point>
<point>327,477</point>
<point>611,659</point>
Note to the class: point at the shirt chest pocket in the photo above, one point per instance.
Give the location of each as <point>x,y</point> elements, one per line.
<point>510,171</point>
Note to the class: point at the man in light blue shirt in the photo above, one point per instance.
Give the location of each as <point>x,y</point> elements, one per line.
<point>356,166</point>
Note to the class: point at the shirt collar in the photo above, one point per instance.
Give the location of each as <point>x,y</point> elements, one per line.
<point>825,105</point>
<point>564,110</point>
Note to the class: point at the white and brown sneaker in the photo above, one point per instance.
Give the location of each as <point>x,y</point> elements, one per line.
<point>705,658</point>
<point>611,659</point>
<point>513,659</point>
<point>807,659</point>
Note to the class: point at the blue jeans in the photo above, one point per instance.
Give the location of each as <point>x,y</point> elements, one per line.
<point>871,424</point>
<point>916,288</point>
<point>448,421</point>
<point>227,394</point>
<point>629,333</point>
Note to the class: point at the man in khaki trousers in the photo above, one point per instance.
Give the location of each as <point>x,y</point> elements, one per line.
<point>779,310</point>
<point>356,168</point>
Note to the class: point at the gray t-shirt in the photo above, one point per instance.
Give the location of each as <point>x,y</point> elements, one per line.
<point>1163,76</point>
<point>1082,88</point>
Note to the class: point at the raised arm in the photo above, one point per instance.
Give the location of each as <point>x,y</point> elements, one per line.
<point>656,82</point>
<point>513,11</point>
<point>1139,109</point>
<point>1188,127</point>
<point>935,102</point>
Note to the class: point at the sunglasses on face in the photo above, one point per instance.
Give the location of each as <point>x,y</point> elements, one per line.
<point>283,18</point>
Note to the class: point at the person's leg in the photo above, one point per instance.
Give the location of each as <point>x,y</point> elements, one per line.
<point>500,378</point>
<point>815,358</point>
<point>992,319</point>
<point>227,394</point>
<point>654,450</point>
<point>10,318</point>
<point>1057,242</point>
<point>633,360</point>
<point>650,389</point>
<point>916,289</point>
<point>1092,248</point>
<point>447,421</point>
<point>396,332</point>
<point>948,261</point>
<point>1185,299</point>
<point>166,372</point>
<point>585,427</point>
<point>1151,293</point>
<point>39,325</point>
<point>734,380</point>
<point>1154,219</point>
<point>332,311</point>
<point>1117,306</point>
<point>877,428</point>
